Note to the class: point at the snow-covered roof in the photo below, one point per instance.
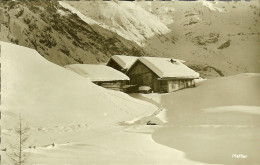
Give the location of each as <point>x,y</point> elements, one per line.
<point>124,61</point>
<point>97,72</point>
<point>168,68</point>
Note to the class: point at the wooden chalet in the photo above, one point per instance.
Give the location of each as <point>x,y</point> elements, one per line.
<point>161,74</point>
<point>121,62</point>
<point>101,75</point>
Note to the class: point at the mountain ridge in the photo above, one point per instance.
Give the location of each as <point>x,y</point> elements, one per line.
<point>215,38</point>
<point>62,39</point>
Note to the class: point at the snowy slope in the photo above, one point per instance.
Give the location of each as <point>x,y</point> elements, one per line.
<point>86,19</point>
<point>78,117</point>
<point>233,95</point>
<point>60,35</point>
<point>214,120</point>
<point>198,30</point>
<point>213,6</point>
<point>71,120</point>
<point>48,94</point>
<point>121,147</point>
<point>97,72</point>
<point>127,19</point>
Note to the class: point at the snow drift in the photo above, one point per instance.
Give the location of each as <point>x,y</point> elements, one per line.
<point>47,94</point>
<point>239,92</point>
<point>97,72</point>
<point>218,118</point>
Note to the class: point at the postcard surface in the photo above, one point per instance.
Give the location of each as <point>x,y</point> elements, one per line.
<point>130,82</point>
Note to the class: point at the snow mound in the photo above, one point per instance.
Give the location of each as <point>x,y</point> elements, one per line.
<point>97,72</point>
<point>214,120</point>
<point>225,100</point>
<point>243,109</point>
<point>47,94</point>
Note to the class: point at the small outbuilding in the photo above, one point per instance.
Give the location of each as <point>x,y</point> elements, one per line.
<point>121,62</point>
<point>161,74</point>
<point>101,75</point>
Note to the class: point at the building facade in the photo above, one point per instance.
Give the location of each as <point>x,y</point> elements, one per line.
<point>161,74</point>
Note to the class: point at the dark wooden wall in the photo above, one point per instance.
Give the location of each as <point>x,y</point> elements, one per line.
<point>141,75</point>
<point>178,84</point>
<point>114,85</point>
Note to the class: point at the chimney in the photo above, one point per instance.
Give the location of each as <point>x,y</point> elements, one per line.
<point>172,61</point>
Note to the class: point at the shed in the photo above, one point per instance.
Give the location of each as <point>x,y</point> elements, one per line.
<point>121,62</point>
<point>101,75</point>
<point>161,74</point>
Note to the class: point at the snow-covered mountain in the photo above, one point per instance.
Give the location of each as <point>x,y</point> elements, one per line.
<point>60,35</point>
<point>127,19</point>
<point>215,38</point>
<point>220,38</point>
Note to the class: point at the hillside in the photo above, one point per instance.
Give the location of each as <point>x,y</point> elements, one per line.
<point>215,38</point>
<point>127,19</point>
<point>222,35</point>
<point>70,119</point>
<point>68,114</point>
<point>59,35</point>
<point>48,94</point>
<point>239,90</point>
<point>218,118</point>
<point>210,123</point>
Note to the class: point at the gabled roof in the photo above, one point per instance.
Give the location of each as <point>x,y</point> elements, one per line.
<point>168,68</point>
<point>97,72</point>
<point>124,61</point>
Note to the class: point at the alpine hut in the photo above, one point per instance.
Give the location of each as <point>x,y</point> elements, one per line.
<point>101,75</point>
<point>161,74</point>
<point>121,62</point>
